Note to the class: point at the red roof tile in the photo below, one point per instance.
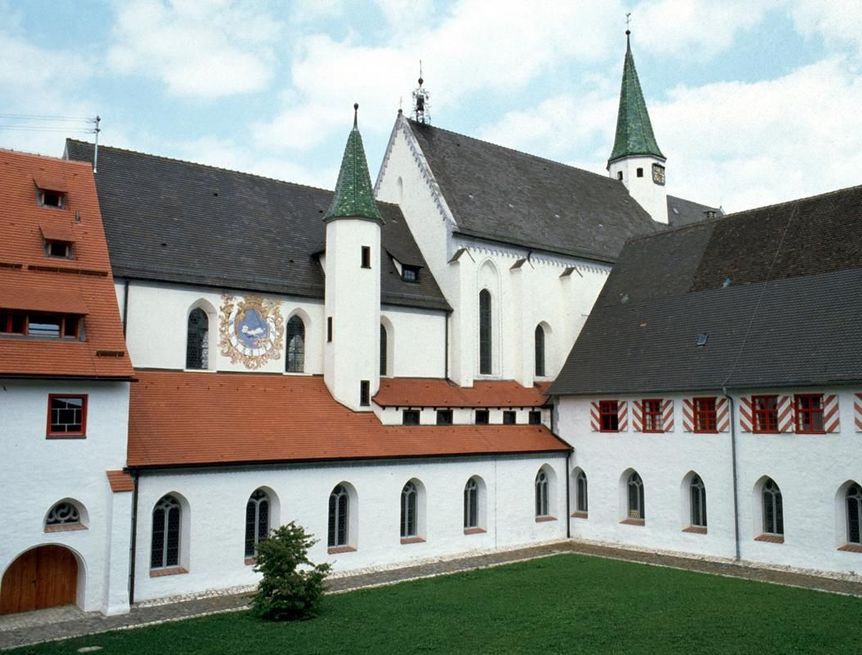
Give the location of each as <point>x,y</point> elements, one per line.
<point>178,418</point>
<point>437,392</point>
<point>57,231</point>
<point>31,280</point>
<point>120,481</point>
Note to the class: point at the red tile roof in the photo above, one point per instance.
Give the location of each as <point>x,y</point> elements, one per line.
<point>31,280</point>
<point>178,418</point>
<point>437,392</point>
<point>120,481</point>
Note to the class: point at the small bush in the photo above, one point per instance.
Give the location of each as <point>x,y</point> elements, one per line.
<point>292,586</point>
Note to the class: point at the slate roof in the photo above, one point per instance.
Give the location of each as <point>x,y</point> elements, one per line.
<point>437,392</point>
<point>191,419</point>
<point>685,212</point>
<point>778,291</point>
<point>508,196</point>
<point>187,223</point>
<point>30,280</point>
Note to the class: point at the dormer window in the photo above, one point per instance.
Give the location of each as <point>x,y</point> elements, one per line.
<point>51,190</point>
<point>51,199</point>
<point>410,273</point>
<point>44,325</point>
<point>59,249</point>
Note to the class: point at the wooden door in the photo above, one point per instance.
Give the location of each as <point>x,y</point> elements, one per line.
<point>43,577</point>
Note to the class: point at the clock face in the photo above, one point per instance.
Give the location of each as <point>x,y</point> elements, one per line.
<point>250,330</point>
<point>658,174</point>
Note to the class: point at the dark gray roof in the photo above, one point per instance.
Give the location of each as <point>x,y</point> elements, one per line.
<point>508,196</point>
<point>778,291</point>
<point>181,222</point>
<point>685,212</point>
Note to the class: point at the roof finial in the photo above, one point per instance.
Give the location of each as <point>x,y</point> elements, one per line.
<point>628,24</point>
<point>420,101</point>
<point>355,114</point>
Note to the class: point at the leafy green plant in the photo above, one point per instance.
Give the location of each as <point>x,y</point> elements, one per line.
<point>292,586</point>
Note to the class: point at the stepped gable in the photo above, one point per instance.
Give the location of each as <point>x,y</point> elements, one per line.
<point>511,197</point>
<point>37,285</point>
<point>436,392</point>
<point>202,419</point>
<point>174,221</point>
<point>776,289</point>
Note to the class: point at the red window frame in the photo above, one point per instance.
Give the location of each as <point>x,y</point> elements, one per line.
<point>808,409</point>
<point>609,416</point>
<point>764,414</point>
<point>17,323</point>
<point>79,434</point>
<point>705,416</point>
<point>651,415</point>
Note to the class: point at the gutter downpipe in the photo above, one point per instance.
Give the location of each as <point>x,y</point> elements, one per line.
<point>568,474</point>
<point>733,469</point>
<point>446,348</point>
<point>134,541</point>
<point>125,305</point>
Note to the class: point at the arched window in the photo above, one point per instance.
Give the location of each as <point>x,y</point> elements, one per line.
<point>773,510</point>
<point>485,344</point>
<point>542,499</point>
<point>582,501</point>
<point>197,340</point>
<point>339,507</point>
<point>383,346</point>
<point>409,510</point>
<point>64,514</point>
<point>540,351</point>
<point>166,533</point>
<point>471,504</point>
<point>636,497</point>
<point>854,514</point>
<point>698,502</point>
<point>256,520</point>
<point>295,359</point>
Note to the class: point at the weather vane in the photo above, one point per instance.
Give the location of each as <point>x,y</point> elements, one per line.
<point>628,20</point>
<point>420,101</point>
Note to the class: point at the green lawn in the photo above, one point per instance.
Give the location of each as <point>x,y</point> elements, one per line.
<point>561,604</point>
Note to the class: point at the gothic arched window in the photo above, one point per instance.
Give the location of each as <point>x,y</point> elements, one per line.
<point>339,506</point>
<point>540,351</point>
<point>471,504</point>
<point>854,514</point>
<point>256,520</point>
<point>409,509</point>
<point>698,502</point>
<point>197,340</point>
<point>636,497</point>
<point>384,344</point>
<point>485,344</point>
<point>295,360</point>
<point>581,502</point>
<point>773,508</point>
<point>542,497</point>
<point>165,549</point>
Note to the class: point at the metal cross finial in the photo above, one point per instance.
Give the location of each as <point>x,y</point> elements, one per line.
<point>628,19</point>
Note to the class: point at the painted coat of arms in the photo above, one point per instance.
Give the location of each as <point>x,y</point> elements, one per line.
<point>251,330</point>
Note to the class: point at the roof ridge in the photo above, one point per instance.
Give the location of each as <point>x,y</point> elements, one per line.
<point>201,165</point>
<point>37,155</point>
<point>518,152</point>
<point>795,200</point>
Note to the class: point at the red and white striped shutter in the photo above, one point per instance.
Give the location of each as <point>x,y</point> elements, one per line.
<point>594,416</point>
<point>623,416</point>
<point>746,415</point>
<point>637,415</point>
<point>688,415</point>
<point>857,412</point>
<point>667,415</point>
<point>722,415</point>
<point>830,412</point>
<point>785,414</point>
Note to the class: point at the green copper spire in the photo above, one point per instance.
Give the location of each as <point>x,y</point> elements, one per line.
<point>353,197</point>
<point>634,130</point>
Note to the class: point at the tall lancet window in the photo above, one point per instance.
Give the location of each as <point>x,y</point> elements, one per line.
<point>295,346</point>
<point>485,343</point>
<point>384,343</point>
<point>197,340</point>
<point>540,351</point>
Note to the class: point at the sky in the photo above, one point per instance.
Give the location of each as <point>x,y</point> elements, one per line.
<point>752,101</point>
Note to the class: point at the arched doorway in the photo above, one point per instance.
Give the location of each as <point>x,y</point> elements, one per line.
<point>46,576</point>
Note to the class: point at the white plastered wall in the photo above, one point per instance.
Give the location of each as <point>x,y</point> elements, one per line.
<point>649,195</point>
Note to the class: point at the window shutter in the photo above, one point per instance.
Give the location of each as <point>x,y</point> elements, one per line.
<point>594,416</point>
<point>722,415</point>
<point>830,412</point>
<point>623,416</point>
<point>746,414</point>
<point>637,415</point>
<point>785,413</point>
<point>667,415</point>
<point>688,415</point>
<point>857,412</point>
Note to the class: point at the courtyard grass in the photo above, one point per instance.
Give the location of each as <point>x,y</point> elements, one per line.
<point>561,604</point>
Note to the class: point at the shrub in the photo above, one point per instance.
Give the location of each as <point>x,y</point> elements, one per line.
<point>292,586</point>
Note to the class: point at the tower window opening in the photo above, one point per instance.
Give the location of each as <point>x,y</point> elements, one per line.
<point>640,172</point>
<point>366,257</point>
<point>620,176</point>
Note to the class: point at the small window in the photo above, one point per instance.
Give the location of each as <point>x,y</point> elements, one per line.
<point>364,393</point>
<point>165,547</point>
<point>295,356</point>
<point>485,344</point>
<point>809,413</point>
<point>12,322</point>
<point>535,417</point>
<point>410,273</point>
<point>764,413</point>
<point>539,351</point>
<point>635,488</point>
<point>58,249</point>
<point>339,506</point>
<point>640,172</point>
<point>582,499</point>
<point>51,198</point>
<point>651,410</point>
<point>854,514</point>
<point>384,348</point>
<point>197,340</point>
<point>63,515</point>
<point>609,415</point>
<point>49,326</point>
<point>329,329</point>
<point>620,176</point>
<point>444,417</point>
<point>471,504</point>
<point>509,417</point>
<point>409,510</point>
<point>410,417</point>
<point>704,415</point>
<point>366,257</point>
<point>482,417</point>
<point>773,509</point>
<point>67,415</point>
<point>256,521</point>
<point>698,502</point>
<point>542,495</point>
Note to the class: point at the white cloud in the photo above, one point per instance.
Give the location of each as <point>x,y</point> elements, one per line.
<point>197,48</point>
<point>838,22</point>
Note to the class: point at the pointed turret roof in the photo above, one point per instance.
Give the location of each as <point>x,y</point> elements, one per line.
<point>354,197</point>
<point>634,130</point>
